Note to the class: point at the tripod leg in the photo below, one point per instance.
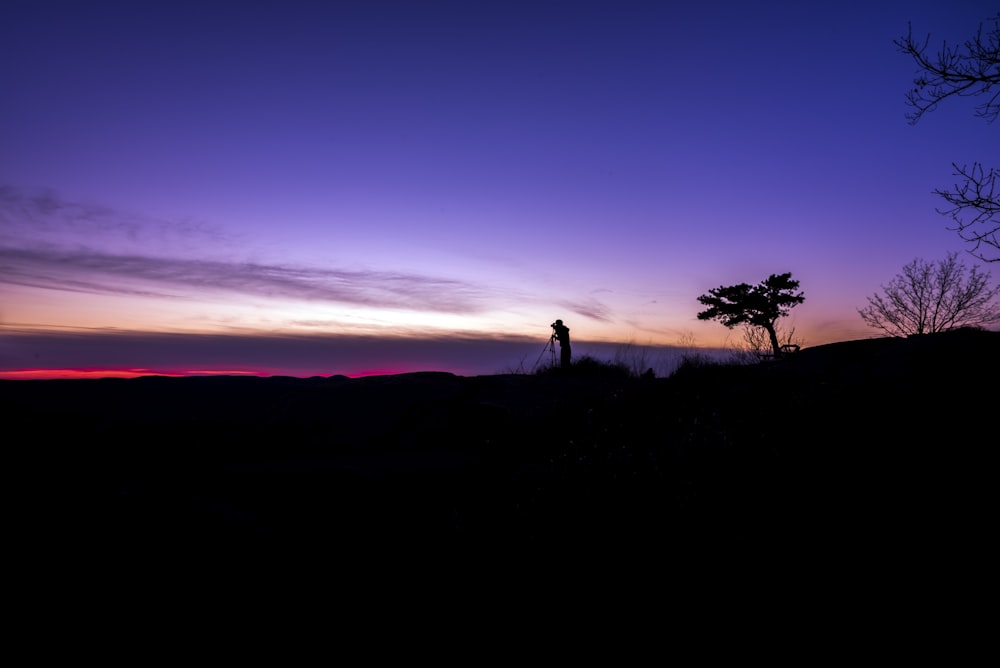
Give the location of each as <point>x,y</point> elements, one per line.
<point>550,346</point>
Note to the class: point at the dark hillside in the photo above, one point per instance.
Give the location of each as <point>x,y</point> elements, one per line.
<point>881,442</point>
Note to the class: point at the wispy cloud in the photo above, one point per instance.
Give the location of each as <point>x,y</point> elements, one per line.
<point>44,244</point>
<point>102,273</point>
<point>590,308</point>
<point>36,217</point>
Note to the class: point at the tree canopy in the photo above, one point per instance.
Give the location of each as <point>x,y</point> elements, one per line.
<point>758,305</point>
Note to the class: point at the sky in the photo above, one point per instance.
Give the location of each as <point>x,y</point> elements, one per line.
<point>310,188</point>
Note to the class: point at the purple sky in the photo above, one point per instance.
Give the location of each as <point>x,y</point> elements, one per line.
<point>313,188</point>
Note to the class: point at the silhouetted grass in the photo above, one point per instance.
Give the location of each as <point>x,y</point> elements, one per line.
<point>691,361</point>
<point>590,367</point>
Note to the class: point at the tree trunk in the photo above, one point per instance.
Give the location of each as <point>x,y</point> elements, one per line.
<point>773,335</point>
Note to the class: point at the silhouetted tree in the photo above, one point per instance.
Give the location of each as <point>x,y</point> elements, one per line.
<point>972,70</point>
<point>929,298</point>
<point>757,342</point>
<point>759,305</point>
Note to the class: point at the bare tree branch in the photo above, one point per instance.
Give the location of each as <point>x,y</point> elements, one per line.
<point>972,70</point>
<point>977,197</point>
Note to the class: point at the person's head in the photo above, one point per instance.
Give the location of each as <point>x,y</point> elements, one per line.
<point>558,322</point>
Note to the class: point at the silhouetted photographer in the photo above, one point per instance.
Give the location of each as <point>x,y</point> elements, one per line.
<point>560,332</point>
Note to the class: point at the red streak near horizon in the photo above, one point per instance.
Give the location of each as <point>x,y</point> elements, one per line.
<point>63,374</point>
<point>71,374</point>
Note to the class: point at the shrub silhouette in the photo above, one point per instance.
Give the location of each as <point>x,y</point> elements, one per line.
<point>590,367</point>
<point>691,361</point>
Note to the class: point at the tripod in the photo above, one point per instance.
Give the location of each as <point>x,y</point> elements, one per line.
<point>550,345</point>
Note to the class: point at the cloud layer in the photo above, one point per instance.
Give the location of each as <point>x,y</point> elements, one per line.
<point>49,243</point>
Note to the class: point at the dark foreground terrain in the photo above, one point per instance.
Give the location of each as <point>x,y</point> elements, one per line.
<point>881,446</point>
